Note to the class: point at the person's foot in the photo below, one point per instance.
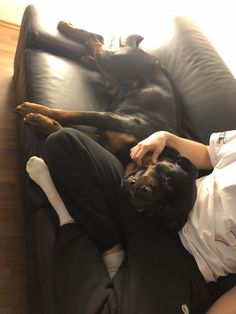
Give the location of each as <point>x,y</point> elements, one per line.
<point>38,171</point>
<point>113,259</point>
<point>42,123</point>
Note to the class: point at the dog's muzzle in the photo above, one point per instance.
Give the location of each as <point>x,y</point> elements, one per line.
<point>139,193</point>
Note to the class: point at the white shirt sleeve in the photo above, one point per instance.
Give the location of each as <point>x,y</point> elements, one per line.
<point>222,148</point>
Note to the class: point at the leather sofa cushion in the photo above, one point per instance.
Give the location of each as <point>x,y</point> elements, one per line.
<point>62,83</point>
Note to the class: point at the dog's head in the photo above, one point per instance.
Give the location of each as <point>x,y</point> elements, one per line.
<point>166,190</point>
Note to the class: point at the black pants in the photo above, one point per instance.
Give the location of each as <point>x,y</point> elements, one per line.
<point>158,276</point>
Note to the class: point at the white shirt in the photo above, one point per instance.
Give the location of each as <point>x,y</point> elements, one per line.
<point>210,232</point>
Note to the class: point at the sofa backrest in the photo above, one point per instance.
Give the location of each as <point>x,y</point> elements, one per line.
<point>206,86</point>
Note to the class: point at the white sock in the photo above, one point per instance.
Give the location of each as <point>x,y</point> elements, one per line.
<point>38,172</point>
<point>113,261</point>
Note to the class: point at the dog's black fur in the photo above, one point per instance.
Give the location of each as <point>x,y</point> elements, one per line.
<point>143,99</point>
<point>166,191</point>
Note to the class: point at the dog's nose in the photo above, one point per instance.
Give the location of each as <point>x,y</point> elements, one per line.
<point>132,182</point>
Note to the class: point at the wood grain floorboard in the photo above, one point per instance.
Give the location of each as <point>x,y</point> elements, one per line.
<point>13,281</point>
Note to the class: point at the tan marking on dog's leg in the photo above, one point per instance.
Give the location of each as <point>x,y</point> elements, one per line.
<point>89,62</point>
<point>90,39</point>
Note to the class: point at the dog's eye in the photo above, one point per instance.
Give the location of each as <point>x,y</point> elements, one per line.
<point>146,189</point>
<point>166,180</point>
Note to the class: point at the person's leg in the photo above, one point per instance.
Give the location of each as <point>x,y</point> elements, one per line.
<point>160,275</point>
<point>87,177</point>
<point>81,282</point>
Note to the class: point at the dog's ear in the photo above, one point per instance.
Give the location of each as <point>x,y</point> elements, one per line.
<point>187,166</point>
<point>169,153</point>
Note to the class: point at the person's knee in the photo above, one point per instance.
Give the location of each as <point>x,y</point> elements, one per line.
<point>54,143</point>
<point>61,143</point>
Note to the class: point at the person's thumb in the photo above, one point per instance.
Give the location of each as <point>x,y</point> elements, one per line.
<point>155,156</point>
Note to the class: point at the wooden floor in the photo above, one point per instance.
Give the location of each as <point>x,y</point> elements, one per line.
<point>13,284</point>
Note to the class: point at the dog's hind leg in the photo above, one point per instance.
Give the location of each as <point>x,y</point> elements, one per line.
<point>91,40</point>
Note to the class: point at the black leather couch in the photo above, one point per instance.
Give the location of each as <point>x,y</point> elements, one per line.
<point>47,71</point>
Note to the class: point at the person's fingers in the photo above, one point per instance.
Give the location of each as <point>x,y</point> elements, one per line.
<point>139,157</point>
<point>134,151</point>
<point>138,153</point>
<point>134,148</point>
<point>155,156</point>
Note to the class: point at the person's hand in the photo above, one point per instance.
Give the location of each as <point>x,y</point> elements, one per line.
<point>155,143</point>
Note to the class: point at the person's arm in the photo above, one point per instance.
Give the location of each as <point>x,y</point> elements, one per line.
<point>225,304</point>
<point>197,152</point>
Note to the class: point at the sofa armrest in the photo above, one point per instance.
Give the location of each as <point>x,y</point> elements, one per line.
<point>37,32</point>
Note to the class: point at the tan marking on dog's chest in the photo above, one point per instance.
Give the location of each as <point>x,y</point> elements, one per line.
<point>131,167</point>
<point>116,141</point>
<point>148,176</point>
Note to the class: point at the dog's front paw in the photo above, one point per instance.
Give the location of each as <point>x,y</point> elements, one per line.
<point>29,107</point>
<point>25,108</point>
<point>42,123</point>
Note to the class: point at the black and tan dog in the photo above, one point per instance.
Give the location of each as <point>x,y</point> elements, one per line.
<point>142,96</point>
<point>165,190</point>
